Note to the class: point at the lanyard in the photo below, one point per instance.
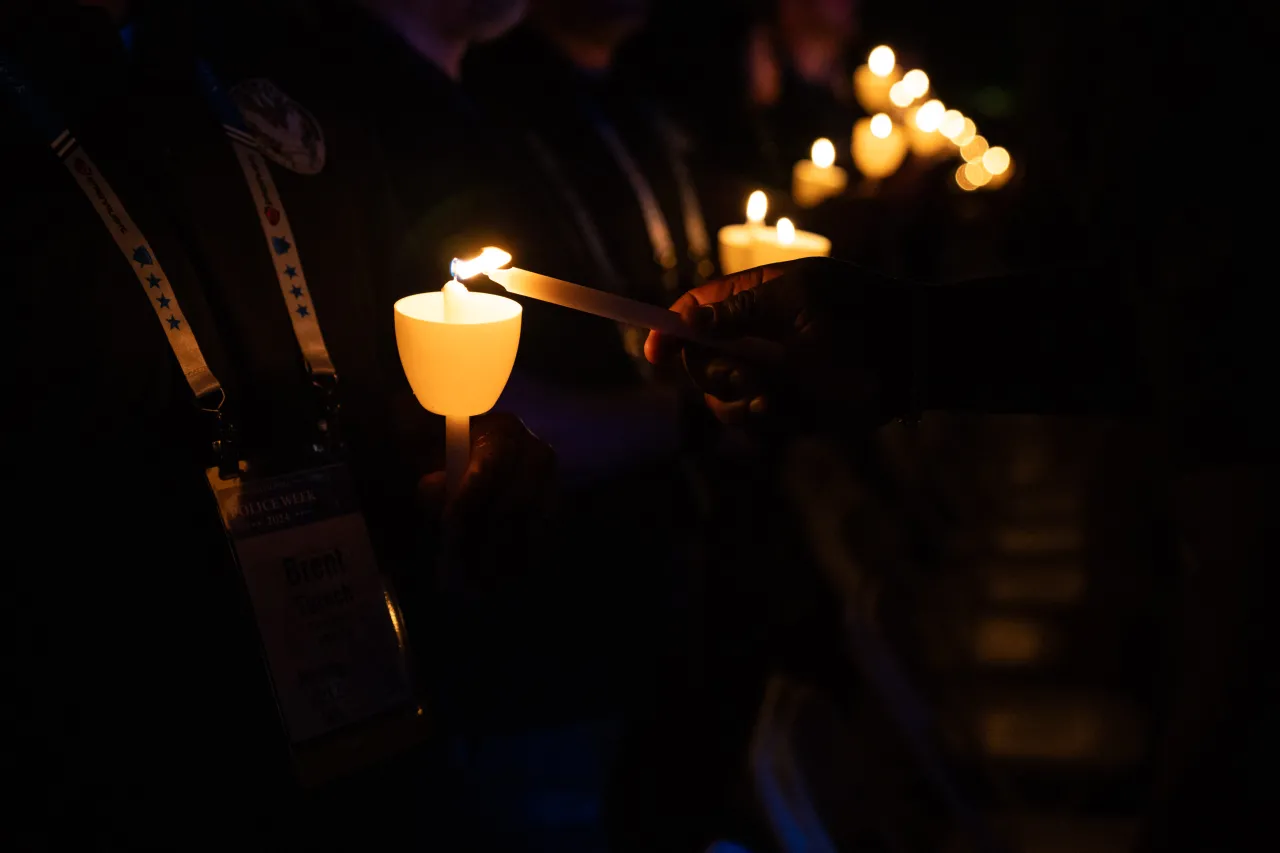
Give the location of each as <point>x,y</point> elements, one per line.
<point>664,251</point>
<point>126,234</point>
<point>274,222</point>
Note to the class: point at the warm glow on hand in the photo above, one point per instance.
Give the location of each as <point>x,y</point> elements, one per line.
<point>881,61</point>
<point>757,207</point>
<point>823,154</point>
<point>490,258</point>
<point>786,232</point>
<point>881,126</point>
<point>930,114</point>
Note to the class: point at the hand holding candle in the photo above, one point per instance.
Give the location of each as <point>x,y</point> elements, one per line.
<point>457,349</point>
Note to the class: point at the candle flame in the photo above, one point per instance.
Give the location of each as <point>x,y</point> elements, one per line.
<point>881,126</point>
<point>916,82</point>
<point>881,60</point>
<point>823,153</point>
<point>757,207</point>
<point>490,258</point>
<point>786,232</point>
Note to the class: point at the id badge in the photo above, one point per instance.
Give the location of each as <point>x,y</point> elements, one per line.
<point>331,635</point>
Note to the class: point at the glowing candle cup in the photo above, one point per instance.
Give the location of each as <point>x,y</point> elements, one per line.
<point>872,82</point>
<point>879,146</point>
<point>817,178</point>
<point>754,244</point>
<point>457,349</point>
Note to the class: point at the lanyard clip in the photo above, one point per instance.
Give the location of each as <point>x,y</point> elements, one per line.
<point>226,443</point>
<point>329,441</point>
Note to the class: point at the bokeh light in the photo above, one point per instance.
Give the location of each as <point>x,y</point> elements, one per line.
<point>976,173</point>
<point>786,232</point>
<point>823,153</point>
<point>995,160</point>
<point>900,95</point>
<point>916,82</point>
<point>966,135</point>
<point>930,115</point>
<point>757,206</point>
<point>963,182</point>
<point>974,149</point>
<point>952,123</point>
<point>881,126</point>
<point>881,61</point>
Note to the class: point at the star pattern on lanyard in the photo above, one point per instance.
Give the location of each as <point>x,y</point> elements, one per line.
<point>163,300</point>
<point>296,291</point>
<point>291,271</point>
<point>174,323</point>
<point>153,280</point>
<point>302,310</point>
<point>281,245</point>
<point>142,256</point>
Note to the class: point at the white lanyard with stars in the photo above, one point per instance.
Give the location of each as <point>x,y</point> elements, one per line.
<point>128,238</point>
<point>275,227</point>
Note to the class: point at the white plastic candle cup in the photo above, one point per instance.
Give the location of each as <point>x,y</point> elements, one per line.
<point>741,248</point>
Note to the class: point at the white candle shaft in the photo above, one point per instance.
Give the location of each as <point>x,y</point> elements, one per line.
<point>457,451</point>
<point>623,310</point>
<point>591,301</point>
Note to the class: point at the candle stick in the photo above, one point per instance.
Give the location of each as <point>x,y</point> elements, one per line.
<point>492,263</point>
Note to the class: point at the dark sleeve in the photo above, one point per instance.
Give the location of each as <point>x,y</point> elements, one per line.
<point>1062,343</point>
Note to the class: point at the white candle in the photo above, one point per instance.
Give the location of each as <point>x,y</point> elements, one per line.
<point>879,146</point>
<point>742,249</point>
<point>872,82</point>
<point>492,262</point>
<point>818,178</point>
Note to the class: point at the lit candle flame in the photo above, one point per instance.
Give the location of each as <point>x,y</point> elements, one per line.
<point>881,126</point>
<point>490,258</point>
<point>757,207</point>
<point>916,83</point>
<point>823,154</point>
<point>930,114</point>
<point>881,60</point>
<point>786,232</point>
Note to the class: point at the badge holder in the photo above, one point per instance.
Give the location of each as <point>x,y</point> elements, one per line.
<point>331,632</point>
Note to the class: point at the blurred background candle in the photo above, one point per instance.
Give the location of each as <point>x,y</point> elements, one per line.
<point>818,178</point>
<point>922,129</point>
<point>768,246</point>
<point>879,147</point>
<point>872,82</point>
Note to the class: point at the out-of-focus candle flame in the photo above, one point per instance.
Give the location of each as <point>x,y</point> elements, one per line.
<point>930,115</point>
<point>900,95</point>
<point>963,182</point>
<point>881,60</point>
<point>823,154</point>
<point>881,126</point>
<point>952,124</point>
<point>757,207</point>
<point>995,160</point>
<point>916,83</point>
<point>786,232</point>
<point>965,136</point>
<point>490,258</point>
<point>974,149</point>
<point>1001,179</point>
